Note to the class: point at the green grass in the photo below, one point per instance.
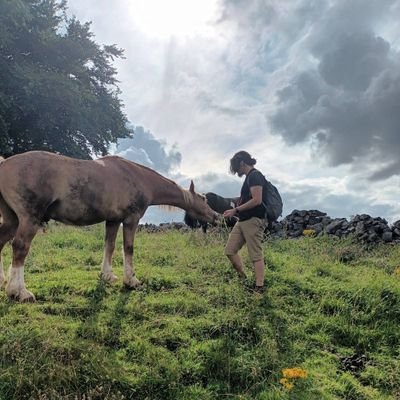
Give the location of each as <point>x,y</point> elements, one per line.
<point>193,332</point>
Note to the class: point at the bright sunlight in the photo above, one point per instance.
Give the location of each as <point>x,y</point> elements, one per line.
<point>174,18</point>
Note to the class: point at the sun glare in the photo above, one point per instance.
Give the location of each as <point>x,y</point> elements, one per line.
<point>173,18</point>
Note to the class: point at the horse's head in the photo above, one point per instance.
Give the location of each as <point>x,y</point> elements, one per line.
<point>191,222</point>
<point>199,209</point>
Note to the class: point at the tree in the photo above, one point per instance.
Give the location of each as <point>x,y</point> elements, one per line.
<point>58,88</point>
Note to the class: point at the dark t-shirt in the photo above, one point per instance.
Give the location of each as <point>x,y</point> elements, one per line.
<point>253,178</point>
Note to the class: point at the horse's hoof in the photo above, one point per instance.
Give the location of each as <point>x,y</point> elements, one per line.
<point>25,296</point>
<point>132,283</point>
<point>109,278</point>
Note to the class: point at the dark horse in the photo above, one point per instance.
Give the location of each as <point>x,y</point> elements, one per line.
<point>218,204</point>
<point>37,186</point>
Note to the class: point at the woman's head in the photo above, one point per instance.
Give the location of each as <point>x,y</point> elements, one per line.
<point>239,158</point>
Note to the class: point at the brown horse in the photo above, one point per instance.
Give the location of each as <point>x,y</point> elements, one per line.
<point>37,186</point>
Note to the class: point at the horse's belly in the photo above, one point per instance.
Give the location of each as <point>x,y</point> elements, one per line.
<point>81,214</point>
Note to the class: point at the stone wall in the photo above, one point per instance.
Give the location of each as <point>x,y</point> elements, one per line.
<point>316,223</point>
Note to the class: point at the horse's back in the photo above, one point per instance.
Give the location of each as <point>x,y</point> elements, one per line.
<point>44,171</point>
<point>52,186</point>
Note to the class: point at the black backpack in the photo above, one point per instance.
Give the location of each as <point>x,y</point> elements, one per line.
<point>272,201</point>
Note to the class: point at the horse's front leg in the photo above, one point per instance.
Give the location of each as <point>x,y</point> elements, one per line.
<point>22,241</point>
<point>109,246</point>
<point>129,230</point>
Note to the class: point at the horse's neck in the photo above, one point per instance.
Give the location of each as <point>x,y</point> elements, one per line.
<point>166,192</point>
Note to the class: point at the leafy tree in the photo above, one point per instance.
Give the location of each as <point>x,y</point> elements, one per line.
<point>58,87</point>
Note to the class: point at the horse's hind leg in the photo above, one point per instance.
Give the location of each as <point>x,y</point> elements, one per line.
<point>129,228</point>
<point>23,238</point>
<point>8,228</point>
<point>109,246</point>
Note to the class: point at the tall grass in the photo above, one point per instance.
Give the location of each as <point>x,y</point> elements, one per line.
<point>332,308</point>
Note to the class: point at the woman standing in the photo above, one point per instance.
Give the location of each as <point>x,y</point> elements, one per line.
<point>252,220</point>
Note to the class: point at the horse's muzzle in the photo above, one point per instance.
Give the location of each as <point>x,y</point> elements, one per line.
<point>218,219</point>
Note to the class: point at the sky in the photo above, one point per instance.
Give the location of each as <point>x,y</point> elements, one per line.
<point>310,88</point>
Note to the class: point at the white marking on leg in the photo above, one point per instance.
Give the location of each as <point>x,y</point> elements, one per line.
<point>130,279</point>
<point>106,270</point>
<point>16,285</point>
<point>16,279</point>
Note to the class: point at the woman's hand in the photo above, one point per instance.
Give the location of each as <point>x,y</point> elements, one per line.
<point>230,213</point>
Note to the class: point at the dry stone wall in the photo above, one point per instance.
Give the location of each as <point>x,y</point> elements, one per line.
<point>316,223</point>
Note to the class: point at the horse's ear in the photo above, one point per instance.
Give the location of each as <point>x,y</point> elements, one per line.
<point>191,189</point>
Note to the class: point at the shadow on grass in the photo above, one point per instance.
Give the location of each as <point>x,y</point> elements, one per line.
<point>6,306</point>
<point>277,318</point>
<point>112,337</point>
<point>107,333</point>
<point>89,328</point>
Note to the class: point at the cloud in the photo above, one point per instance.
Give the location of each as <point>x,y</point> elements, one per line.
<point>157,215</point>
<point>333,69</point>
<point>386,171</point>
<point>309,87</point>
<point>346,104</point>
<point>145,149</point>
<point>223,185</point>
<point>336,205</point>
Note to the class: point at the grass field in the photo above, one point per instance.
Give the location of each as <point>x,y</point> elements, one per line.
<point>332,310</point>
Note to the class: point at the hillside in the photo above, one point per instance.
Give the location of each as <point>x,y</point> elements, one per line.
<point>332,311</point>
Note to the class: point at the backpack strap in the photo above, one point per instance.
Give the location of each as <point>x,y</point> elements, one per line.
<point>262,200</point>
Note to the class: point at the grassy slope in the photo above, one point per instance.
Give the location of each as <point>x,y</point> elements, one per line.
<point>194,333</point>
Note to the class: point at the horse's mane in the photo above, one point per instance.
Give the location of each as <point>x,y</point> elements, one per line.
<point>187,197</point>
<point>147,169</point>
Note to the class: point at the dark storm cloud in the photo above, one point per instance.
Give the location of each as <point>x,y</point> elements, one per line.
<point>145,149</point>
<point>392,168</point>
<point>349,104</point>
<point>348,112</point>
<point>339,74</point>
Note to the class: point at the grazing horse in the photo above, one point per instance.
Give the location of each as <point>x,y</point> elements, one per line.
<point>218,204</point>
<point>38,186</point>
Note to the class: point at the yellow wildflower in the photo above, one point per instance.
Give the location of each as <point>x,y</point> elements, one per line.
<point>290,375</point>
<point>286,384</point>
<point>293,373</point>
